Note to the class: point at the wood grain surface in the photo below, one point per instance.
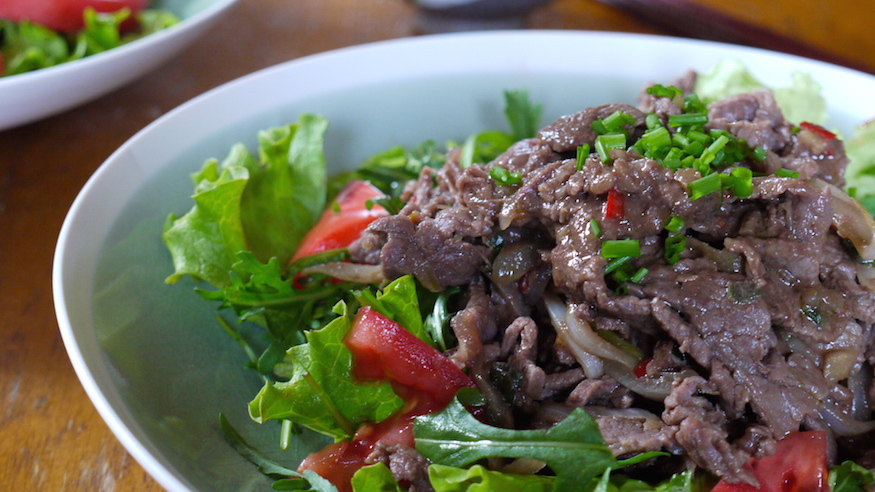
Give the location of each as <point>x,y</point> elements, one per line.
<point>51,437</point>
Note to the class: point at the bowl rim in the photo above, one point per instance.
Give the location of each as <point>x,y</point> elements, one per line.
<point>17,85</point>
<point>99,393</point>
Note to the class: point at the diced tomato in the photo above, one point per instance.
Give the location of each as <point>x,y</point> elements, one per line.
<point>615,206</point>
<point>425,378</point>
<point>344,220</point>
<point>817,129</point>
<point>421,375</point>
<point>798,465</point>
<point>62,15</point>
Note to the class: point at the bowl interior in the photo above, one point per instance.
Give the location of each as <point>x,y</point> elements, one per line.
<point>152,356</point>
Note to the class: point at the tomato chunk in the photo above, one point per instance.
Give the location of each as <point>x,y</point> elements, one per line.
<point>343,221</point>
<point>62,15</point>
<point>425,378</point>
<point>798,465</point>
<point>422,376</point>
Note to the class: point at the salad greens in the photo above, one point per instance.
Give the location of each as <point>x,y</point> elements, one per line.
<point>249,215</point>
<point>26,46</point>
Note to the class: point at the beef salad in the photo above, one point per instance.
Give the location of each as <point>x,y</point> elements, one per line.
<point>676,294</point>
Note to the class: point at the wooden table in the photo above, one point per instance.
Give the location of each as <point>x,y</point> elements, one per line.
<point>51,437</point>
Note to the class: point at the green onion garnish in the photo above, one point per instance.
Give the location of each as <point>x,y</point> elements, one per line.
<point>615,263</point>
<point>674,224</point>
<point>595,227</point>
<point>759,153</point>
<point>674,246</point>
<point>605,143</point>
<point>619,248</point>
<point>705,186</point>
<point>504,177</point>
<point>741,182</point>
<point>582,154</point>
<point>639,275</point>
<point>660,90</point>
<point>687,119</point>
<point>617,119</point>
<point>786,173</point>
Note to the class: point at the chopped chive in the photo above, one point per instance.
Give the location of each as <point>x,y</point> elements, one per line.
<point>504,177</point>
<point>582,154</point>
<point>618,248</point>
<point>716,146</point>
<point>639,275</point>
<point>655,139</point>
<point>687,119</point>
<point>660,90</point>
<point>741,182</point>
<point>652,121</point>
<point>786,173</point>
<point>605,143</point>
<point>852,191</point>
<point>617,119</point>
<point>595,227</point>
<point>674,246</point>
<point>704,186</point>
<point>674,224</point>
<point>759,153</point>
<point>599,127</point>
<point>621,275</point>
<point>616,263</point>
<point>692,104</point>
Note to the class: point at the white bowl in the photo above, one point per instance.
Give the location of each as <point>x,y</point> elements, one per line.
<point>151,356</point>
<point>33,95</point>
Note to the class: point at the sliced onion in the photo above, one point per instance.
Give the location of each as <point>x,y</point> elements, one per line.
<point>851,220</point>
<point>859,382</point>
<point>866,275</point>
<point>841,423</point>
<point>591,364</point>
<point>352,272</point>
<point>512,262</point>
<point>653,388</point>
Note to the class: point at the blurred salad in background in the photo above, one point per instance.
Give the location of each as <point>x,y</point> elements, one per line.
<point>37,34</point>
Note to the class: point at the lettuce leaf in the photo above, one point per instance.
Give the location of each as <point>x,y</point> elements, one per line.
<point>27,46</point>
<point>399,302</point>
<point>375,478</point>
<point>802,101</point>
<point>244,204</point>
<point>321,393</point>
<point>480,479</point>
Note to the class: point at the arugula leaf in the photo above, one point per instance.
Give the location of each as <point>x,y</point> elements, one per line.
<point>321,393</point>
<point>244,205</point>
<point>574,448</point>
<point>265,465</point>
<point>375,478</point>
<point>850,477</point>
<point>437,322</point>
<point>524,115</point>
<point>483,147</point>
<point>480,479</point>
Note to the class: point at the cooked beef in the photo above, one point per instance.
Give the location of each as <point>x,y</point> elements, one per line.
<point>759,323</point>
